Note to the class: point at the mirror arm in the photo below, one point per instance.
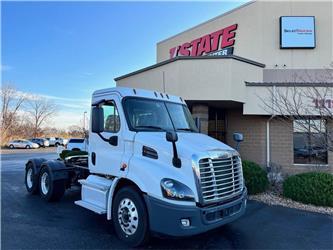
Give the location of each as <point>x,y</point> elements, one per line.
<point>107,140</point>
<point>175,160</point>
<point>237,146</point>
<point>102,137</point>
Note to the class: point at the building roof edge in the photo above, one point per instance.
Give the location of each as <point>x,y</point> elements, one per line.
<point>289,84</point>
<point>179,58</point>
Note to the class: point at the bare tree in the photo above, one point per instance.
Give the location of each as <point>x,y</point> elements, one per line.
<point>40,110</point>
<point>11,102</point>
<point>308,102</point>
<point>76,131</point>
<point>54,132</point>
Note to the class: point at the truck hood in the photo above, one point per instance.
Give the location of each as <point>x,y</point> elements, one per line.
<point>187,144</point>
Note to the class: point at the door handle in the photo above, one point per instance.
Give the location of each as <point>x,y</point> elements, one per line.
<point>93,158</point>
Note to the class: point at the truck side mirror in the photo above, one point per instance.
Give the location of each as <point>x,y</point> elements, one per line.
<point>238,137</point>
<point>171,136</point>
<point>97,120</point>
<point>113,140</point>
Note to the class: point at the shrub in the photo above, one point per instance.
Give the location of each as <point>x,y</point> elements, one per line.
<point>67,153</point>
<point>315,188</point>
<point>255,177</point>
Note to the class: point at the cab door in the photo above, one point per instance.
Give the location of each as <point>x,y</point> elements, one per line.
<point>107,148</point>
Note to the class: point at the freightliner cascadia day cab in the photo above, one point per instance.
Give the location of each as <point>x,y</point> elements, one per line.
<point>148,168</point>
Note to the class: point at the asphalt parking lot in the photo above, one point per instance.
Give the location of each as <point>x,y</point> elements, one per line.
<point>27,222</point>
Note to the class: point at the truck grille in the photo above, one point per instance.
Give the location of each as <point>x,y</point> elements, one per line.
<point>220,178</point>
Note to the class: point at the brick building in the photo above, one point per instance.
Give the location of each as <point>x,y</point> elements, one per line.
<point>229,68</point>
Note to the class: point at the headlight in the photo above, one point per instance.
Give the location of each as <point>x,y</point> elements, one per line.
<point>175,190</point>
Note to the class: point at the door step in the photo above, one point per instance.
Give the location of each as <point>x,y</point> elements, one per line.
<point>95,193</point>
<point>90,206</point>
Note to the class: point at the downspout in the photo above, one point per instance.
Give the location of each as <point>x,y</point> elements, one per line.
<point>163,81</point>
<point>268,148</point>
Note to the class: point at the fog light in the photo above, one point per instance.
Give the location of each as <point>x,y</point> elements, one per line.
<point>185,222</point>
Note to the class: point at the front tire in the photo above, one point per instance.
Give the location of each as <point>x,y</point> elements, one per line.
<point>31,179</point>
<point>50,190</point>
<point>27,147</point>
<point>130,217</point>
<point>11,146</point>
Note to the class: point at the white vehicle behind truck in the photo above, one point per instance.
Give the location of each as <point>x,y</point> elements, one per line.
<point>57,141</point>
<point>148,169</point>
<point>77,144</point>
<point>21,143</point>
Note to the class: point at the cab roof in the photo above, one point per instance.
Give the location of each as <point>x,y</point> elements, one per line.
<point>135,92</point>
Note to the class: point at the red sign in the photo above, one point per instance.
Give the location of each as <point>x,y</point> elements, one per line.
<point>207,43</point>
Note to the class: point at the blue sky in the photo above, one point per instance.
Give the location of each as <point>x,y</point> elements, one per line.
<point>65,50</point>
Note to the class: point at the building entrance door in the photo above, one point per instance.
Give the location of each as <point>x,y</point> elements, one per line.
<point>217,123</point>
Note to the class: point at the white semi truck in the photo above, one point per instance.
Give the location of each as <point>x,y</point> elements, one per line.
<point>148,168</point>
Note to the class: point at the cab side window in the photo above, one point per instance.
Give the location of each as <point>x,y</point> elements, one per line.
<point>111,117</point>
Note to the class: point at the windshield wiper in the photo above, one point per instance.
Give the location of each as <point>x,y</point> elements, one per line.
<point>150,127</point>
<point>187,129</point>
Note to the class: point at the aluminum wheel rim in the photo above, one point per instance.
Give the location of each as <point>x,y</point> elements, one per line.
<point>128,216</point>
<point>45,183</point>
<point>29,178</point>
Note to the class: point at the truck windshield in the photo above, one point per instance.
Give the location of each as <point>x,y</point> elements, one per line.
<point>153,115</point>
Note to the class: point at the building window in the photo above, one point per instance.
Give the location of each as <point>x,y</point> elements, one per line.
<point>217,123</point>
<point>310,141</point>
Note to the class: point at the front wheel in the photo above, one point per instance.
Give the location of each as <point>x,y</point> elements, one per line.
<point>11,146</point>
<point>50,190</point>
<point>27,147</point>
<point>130,217</point>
